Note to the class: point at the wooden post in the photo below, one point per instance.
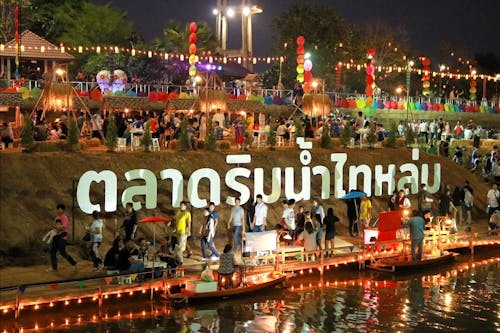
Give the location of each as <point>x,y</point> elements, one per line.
<point>100,302</point>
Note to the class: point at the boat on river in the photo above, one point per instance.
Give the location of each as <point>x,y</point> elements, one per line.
<point>199,290</point>
<point>401,263</point>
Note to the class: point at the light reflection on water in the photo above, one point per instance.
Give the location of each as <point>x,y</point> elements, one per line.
<point>461,297</point>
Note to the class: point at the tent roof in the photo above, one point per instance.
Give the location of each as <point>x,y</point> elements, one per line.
<point>33,48</point>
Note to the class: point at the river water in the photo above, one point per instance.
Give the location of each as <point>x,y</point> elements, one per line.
<point>460,297</point>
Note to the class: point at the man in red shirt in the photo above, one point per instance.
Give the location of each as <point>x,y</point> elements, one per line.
<point>59,240</point>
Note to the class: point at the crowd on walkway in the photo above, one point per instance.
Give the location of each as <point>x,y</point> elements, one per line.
<point>312,227</point>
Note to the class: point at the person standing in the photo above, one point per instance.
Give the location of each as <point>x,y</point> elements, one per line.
<point>7,134</point>
<point>392,202</point>
<point>59,240</point>
<point>352,215</point>
<point>493,198</point>
<point>289,218</point>
<point>417,226</point>
<point>365,211</point>
<point>317,209</point>
<point>330,231</point>
<point>130,222</point>
<point>207,232</point>
<point>445,203</point>
<point>260,216</point>
<point>95,230</point>
<point>468,204</point>
<point>183,228</point>
<point>238,226</point>
<point>425,199</point>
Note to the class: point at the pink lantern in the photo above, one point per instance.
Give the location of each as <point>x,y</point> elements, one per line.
<point>308,65</point>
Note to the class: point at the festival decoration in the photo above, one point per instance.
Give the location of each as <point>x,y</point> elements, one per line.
<point>18,40</point>
<point>111,84</point>
<point>370,77</point>
<point>426,76</point>
<point>473,86</point>
<point>338,74</point>
<point>192,51</point>
<point>300,59</point>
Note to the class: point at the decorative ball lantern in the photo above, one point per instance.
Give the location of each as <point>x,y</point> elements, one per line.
<point>370,77</point>
<point>300,58</point>
<point>426,76</point>
<point>192,50</point>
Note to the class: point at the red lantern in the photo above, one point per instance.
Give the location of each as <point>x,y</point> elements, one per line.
<point>192,48</point>
<point>300,50</point>
<point>426,62</point>
<point>369,80</point>
<point>300,59</point>
<point>193,27</point>
<point>192,38</point>
<point>308,76</point>
<point>369,90</point>
<point>300,40</point>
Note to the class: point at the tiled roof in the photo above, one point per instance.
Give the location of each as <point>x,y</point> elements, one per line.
<point>32,46</point>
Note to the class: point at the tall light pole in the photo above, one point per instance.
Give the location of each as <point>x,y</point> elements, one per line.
<point>408,83</point>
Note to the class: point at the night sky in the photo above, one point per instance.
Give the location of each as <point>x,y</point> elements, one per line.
<point>472,25</point>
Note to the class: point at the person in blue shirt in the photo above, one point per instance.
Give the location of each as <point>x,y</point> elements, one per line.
<point>416,223</point>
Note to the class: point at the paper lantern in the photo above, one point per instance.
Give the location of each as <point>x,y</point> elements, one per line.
<point>426,62</point>
<point>300,69</point>
<point>192,70</point>
<point>300,40</point>
<point>300,50</point>
<point>300,77</point>
<point>300,59</point>
<point>369,91</point>
<point>308,65</point>
<point>369,80</point>
<point>192,48</point>
<point>193,27</point>
<point>192,37</point>
<point>369,101</point>
<point>308,76</point>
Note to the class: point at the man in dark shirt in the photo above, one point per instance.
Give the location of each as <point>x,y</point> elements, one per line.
<point>128,258</point>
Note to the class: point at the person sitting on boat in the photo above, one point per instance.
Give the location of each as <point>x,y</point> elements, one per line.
<point>170,252</point>
<point>111,258</point>
<point>493,223</point>
<point>226,267</point>
<point>309,236</point>
<point>128,258</point>
<point>403,201</point>
<point>417,227</point>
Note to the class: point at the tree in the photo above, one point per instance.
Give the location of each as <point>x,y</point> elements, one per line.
<point>371,138</point>
<point>325,141</point>
<point>327,36</point>
<point>210,141</point>
<point>345,137</point>
<point>146,140</point>
<point>409,136</point>
<point>112,134</point>
<point>392,136</point>
<point>271,138</point>
<point>73,139</point>
<point>299,128</point>
<point>183,135</point>
<point>27,134</point>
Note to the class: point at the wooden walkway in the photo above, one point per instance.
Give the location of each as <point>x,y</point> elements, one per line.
<point>96,291</point>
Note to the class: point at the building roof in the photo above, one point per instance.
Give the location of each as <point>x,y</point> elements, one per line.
<point>35,47</point>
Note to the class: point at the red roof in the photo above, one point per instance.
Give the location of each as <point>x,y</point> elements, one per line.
<point>35,47</point>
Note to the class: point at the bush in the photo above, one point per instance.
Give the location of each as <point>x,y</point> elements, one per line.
<point>371,138</point>
<point>112,134</point>
<point>27,134</point>
<point>210,142</point>
<point>146,140</point>
<point>73,139</point>
<point>325,141</point>
<point>183,136</point>
<point>345,137</point>
<point>299,128</point>
<point>409,136</point>
<point>392,136</point>
<point>271,138</point>
<point>223,144</point>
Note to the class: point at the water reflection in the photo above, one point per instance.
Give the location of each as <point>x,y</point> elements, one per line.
<point>458,297</point>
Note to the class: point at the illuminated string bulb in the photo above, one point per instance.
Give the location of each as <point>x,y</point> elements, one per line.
<point>310,270</point>
<point>301,271</point>
<point>131,293</point>
<point>66,321</point>
<point>51,304</point>
<point>36,307</point>
<point>79,301</point>
<point>66,303</point>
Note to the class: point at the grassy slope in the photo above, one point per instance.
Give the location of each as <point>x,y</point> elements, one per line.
<point>32,184</point>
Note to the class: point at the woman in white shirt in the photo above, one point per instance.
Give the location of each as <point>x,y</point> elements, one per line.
<point>96,240</point>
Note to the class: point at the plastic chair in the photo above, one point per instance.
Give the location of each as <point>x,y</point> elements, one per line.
<point>122,144</point>
<point>156,144</point>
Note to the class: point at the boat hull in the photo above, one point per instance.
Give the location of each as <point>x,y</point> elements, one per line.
<point>400,263</point>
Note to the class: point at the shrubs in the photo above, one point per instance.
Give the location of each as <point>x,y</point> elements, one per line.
<point>325,140</point>
<point>390,142</point>
<point>345,137</point>
<point>147,141</point>
<point>112,134</point>
<point>271,138</point>
<point>27,134</point>
<point>183,136</point>
<point>73,135</point>
<point>210,142</point>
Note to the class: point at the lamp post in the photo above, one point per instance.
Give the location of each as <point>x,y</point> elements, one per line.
<point>408,83</point>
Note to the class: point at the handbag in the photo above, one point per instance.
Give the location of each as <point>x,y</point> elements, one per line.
<point>87,237</point>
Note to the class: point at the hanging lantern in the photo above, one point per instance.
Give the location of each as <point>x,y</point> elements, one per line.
<point>426,76</point>
<point>300,59</point>
<point>473,85</point>
<point>370,77</point>
<point>192,51</point>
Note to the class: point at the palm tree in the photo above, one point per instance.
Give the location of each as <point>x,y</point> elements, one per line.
<point>176,39</point>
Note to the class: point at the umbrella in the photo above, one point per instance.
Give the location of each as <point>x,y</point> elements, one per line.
<point>154,219</point>
<point>354,195</point>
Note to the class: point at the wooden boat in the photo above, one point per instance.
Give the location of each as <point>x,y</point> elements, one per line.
<point>405,263</point>
<point>253,283</point>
